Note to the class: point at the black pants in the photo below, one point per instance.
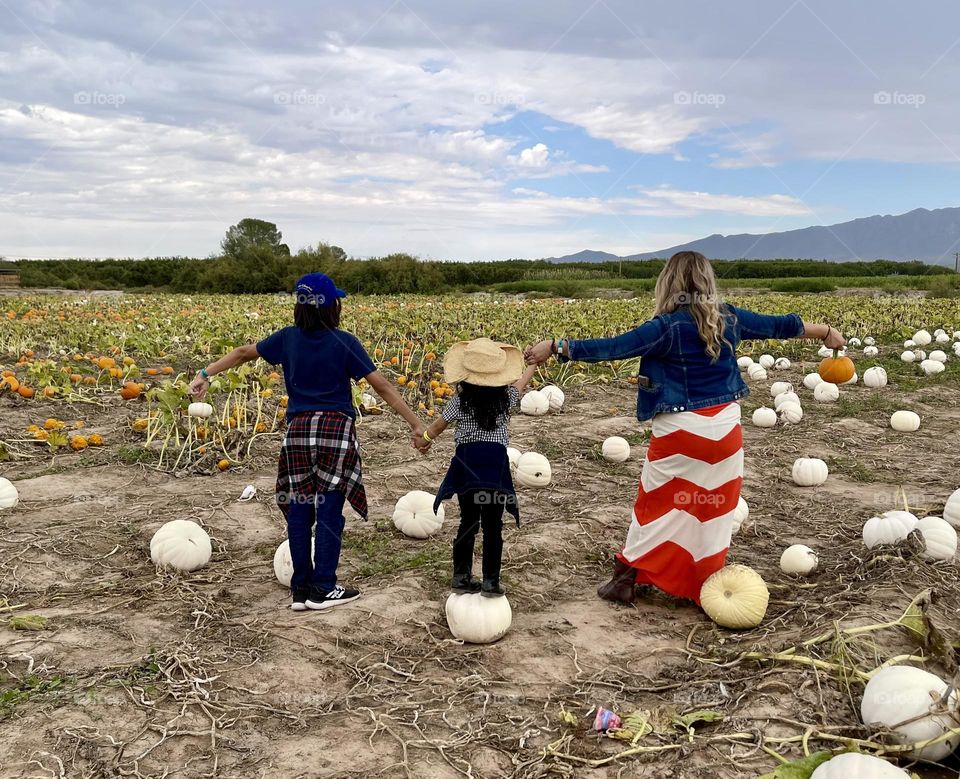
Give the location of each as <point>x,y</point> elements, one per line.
<point>479,509</point>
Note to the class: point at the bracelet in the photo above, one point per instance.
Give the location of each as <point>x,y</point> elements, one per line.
<point>426,437</point>
<point>203,372</point>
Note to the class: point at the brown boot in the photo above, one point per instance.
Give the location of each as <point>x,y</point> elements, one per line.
<point>620,586</point>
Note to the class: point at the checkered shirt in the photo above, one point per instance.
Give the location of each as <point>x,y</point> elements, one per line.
<point>469,432</point>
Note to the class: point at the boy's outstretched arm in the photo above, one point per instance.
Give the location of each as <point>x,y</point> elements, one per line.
<point>521,384</point>
<point>385,390</point>
<point>240,355</point>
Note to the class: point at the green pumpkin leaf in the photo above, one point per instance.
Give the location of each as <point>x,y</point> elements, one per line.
<point>799,769</point>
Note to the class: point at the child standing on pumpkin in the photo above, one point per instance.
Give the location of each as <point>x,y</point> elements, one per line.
<point>489,378</point>
<point>319,464</point>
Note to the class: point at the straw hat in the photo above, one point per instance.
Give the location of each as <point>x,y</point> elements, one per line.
<point>483,362</point>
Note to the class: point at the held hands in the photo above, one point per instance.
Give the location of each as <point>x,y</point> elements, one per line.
<point>834,339</point>
<point>199,387</point>
<point>539,353</point>
<point>418,441</point>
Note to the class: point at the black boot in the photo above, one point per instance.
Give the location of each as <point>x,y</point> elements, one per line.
<point>492,588</point>
<point>620,587</point>
<point>463,582</point>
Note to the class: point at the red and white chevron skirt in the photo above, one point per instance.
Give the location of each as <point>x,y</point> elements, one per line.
<point>689,487</point>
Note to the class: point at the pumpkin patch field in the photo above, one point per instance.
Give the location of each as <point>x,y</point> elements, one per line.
<point>144,629</point>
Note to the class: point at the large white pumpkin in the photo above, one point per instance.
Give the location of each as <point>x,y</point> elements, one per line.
<point>476,619</point>
<point>908,356</point>
<point>875,377</point>
<point>909,344</point>
<point>811,380</point>
<point>413,515</point>
<point>870,351</point>
<point>809,472</point>
<point>825,392</point>
<point>938,355</point>
<point>283,562</point>
<point>825,351</point>
<point>9,497</point>
<point>854,343</point>
<point>891,527</point>
<point>616,449</point>
<point>798,560</point>
<point>869,340</point>
<point>951,510</point>
<point>767,360</point>
<point>781,364</point>
<point>790,413</point>
<point>932,367</point>
<point>735,597</point>
<point>200,410</point>
<point>533,470</point>
<point>898,697</point>
<point>535,403</point>
<point>764,417</point>
<point>555,396</point>
<point>921,338</point>
<point>181,544</point>
<point>852,380</point>
<point>905,421</point>
<point>779,387</point>
<point>744,362</point>
<point>939,538</point>
<point>785,397</point>
<point>740,514</point>
<point>756,372</point>
<point>513,455</point>
<point>853,765</point>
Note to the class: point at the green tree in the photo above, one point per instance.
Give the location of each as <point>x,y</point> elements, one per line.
<point>249,233</point>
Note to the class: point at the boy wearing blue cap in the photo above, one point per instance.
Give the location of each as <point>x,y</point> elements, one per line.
<point>319,466</point>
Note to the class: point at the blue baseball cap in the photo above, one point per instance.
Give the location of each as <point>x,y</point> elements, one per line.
<point>318,289</point>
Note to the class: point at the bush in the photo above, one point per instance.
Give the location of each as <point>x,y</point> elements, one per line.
<point>802,285</point>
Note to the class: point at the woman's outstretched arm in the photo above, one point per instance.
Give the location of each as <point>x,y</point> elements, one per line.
<point>651,337</point>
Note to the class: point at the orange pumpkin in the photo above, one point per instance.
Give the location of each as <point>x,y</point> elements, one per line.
<point>95,440</point>
<point>223,465</point>
<point>130,391</point>
<point>78,443</point>
<point>26,392</point>
<point>836,369</point>
<point>166,370</point>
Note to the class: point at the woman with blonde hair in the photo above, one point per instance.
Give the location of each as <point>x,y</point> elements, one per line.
<point>689,384</point>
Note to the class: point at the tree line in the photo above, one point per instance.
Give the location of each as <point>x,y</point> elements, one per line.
<point>254,259</point>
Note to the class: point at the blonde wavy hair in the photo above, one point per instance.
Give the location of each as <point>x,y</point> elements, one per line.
<point>688,280</point>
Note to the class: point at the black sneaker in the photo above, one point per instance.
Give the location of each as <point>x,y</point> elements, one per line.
<point>463,582</point>
<point>299,602</point>
<point>319,601</point>
<point>492,589</point>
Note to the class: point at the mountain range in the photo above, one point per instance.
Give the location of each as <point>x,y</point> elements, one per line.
<point>921,234</point>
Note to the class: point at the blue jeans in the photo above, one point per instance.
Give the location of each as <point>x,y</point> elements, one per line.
<point>327,513</point>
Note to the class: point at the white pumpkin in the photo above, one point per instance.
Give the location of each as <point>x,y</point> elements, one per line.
<point>823,351</point>
<point>535,403</point>
<point>283,563</point>
<point>939,538</point>
<point>533,470</point>
<point>854,343</point>
<point>851,380</point>
<point>368,400</point>
<point>919,354</point>
<point>744,362</point>
<point>200,410</point>
<point>951,511</point>
<point>764,417</point>
<point>908,356</point>
<point>781,364</point>
<point>735,597</point>
<point>779,387</point>
<point>891,527</point>
<point>790,413</point>
<point>938,332</point>
<point>413,515</point>
<point>756,372</point>
<point>921,338</point>
<point>740,514</point>
<point>767,360</point>
<point>513,455</point>
<point>785,397</point>
<point>853,765</point>
<point>798,560</point>
<point>616,449</point>
<point>897,698</point>
<point>478,620</point>
<point>555,396</point>
<point>9,497</point>
<point>875,377</point>
<point>181,544</point>
<point>809,472</point>
<point>938,355</point>
<point>811,380</point>
<point>869,340</point>
<point>956,335</point>
<point>909,344</point>
<point>932,367</point>
<point>825,392</point>
<point>905,421</point>
<point>942,338</point>
<point>870,351</point>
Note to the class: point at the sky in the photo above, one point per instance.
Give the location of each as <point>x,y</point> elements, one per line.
<point>466,130</point>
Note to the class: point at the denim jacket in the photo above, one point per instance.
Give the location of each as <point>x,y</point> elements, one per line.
<point>676,373</point>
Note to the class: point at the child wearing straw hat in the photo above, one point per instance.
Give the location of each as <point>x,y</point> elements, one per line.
<point>489,377</point>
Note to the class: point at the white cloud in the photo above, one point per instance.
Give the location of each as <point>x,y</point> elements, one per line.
<point>534,157</point>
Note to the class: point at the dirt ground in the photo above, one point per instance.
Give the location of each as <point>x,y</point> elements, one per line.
<point>140,673</point>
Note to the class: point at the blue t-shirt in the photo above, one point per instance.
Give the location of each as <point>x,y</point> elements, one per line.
<point>317,367</point>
